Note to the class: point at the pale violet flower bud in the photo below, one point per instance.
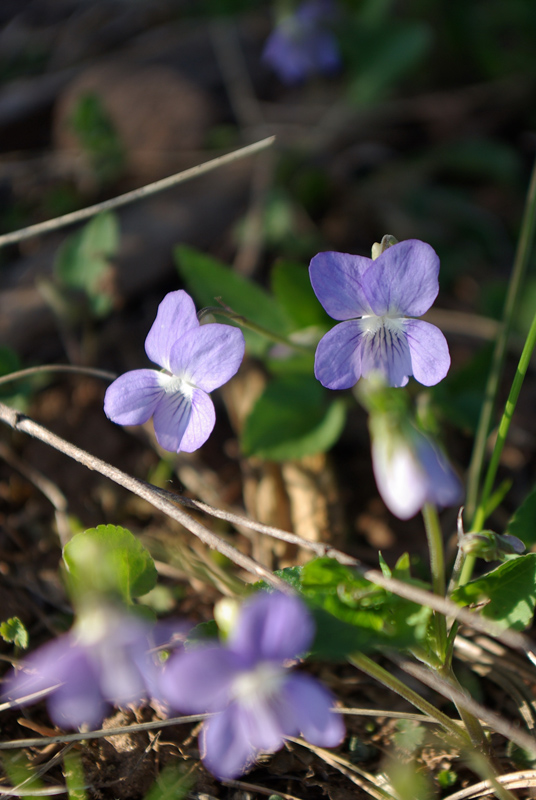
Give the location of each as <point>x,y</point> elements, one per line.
<point>256,700</point>
<point>195,360</point>
<point>302,45</point>
<point>377,299</point>
<point>410,470</point>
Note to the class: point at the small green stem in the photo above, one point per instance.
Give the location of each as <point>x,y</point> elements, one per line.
<point>437,569</point>
<point>472,724</point>
<point>435,545</point>
<point>523,250</point>
<point>252,326</point>
<point>384,677</point>
<point>504,426</point>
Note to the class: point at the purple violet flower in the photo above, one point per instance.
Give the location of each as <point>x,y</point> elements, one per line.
<point>301,46</point>
<point>105,660</point>
<point>195,359</point>
<point>377,300</point>
<point>257,701</point>
<point>409,469</point>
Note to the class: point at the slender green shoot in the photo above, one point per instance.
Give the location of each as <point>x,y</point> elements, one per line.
<point>526,237</point>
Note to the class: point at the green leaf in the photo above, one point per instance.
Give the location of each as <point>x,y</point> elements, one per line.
<point>522,524</point>
<point>93,126</point>
<point>83,261</point>
<point>13,393</point>
<point>387,57</point>
<point>208,279</point>
<point>460,396</point>
<point>293,418</point>
<point>203,632</point>
<point>9,360</point>
<point>108,560</point>
<point>352,613</point>
<point>291,575</point>
<point>509,592</point>
<point>284,361</point>
<point>292,288</point>
<point>13,630</point>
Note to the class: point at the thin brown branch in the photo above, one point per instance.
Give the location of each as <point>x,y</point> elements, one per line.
<point>162,500</point>
<point>77,369</point>
<point>135,194</point>
<point>20,422</point>
<point>525,779</point>
<point>64,738</point>
<point>409,592</point>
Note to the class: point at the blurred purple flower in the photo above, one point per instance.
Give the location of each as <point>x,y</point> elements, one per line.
<point>301,45</point>
<point>195,359</point>
<point>106,660</point>
<point>409,468</point>
<point>377,299</point>
<point>258,701</point>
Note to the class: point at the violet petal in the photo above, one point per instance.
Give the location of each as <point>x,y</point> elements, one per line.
<point>198,681</point>
<point>201,424</point>
<point>430,357</point>
<point>443,485</point>
<point>226,748</point>
<point>171,418</point>
<point>338,356</point>
<point>209,356</point>
<point>272,626</point>
<point>79,701</point>
<point>337,282</point>
<point>310,705</point>
<point>385,350</point>
<point>176,315</point>
<point>132,398</point>
<point>403,280</point>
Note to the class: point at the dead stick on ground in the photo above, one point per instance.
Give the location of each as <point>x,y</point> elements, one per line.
<point>144,490</point>
<point>135,194</point>
<point>155,497</point>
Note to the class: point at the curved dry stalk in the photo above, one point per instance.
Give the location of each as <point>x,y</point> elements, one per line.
<point>382,712</point>
<point>144,490</point>
<point>511,679</point>
<point>320,549</point>
<point>162,500</point>
<point>254,787</point>
<point>6,791</point>
<point>64,738</point>
<point>369,783</point>
<point>49,489</point>
<point>75,368</point>
<point>525,779</point>
<point>463,700</point>
<point>135,194</point>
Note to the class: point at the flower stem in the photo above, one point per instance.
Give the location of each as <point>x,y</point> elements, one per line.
<point>437,569</point>
<point>528,225</point>
<point>504,425</point>
<point>524,361</point>
<point>472,724</point>
<point>369,667</point>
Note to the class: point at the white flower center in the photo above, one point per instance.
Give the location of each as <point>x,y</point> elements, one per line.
<point>392,322</point>
<point>173,384</point>
<point>257,684</point>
